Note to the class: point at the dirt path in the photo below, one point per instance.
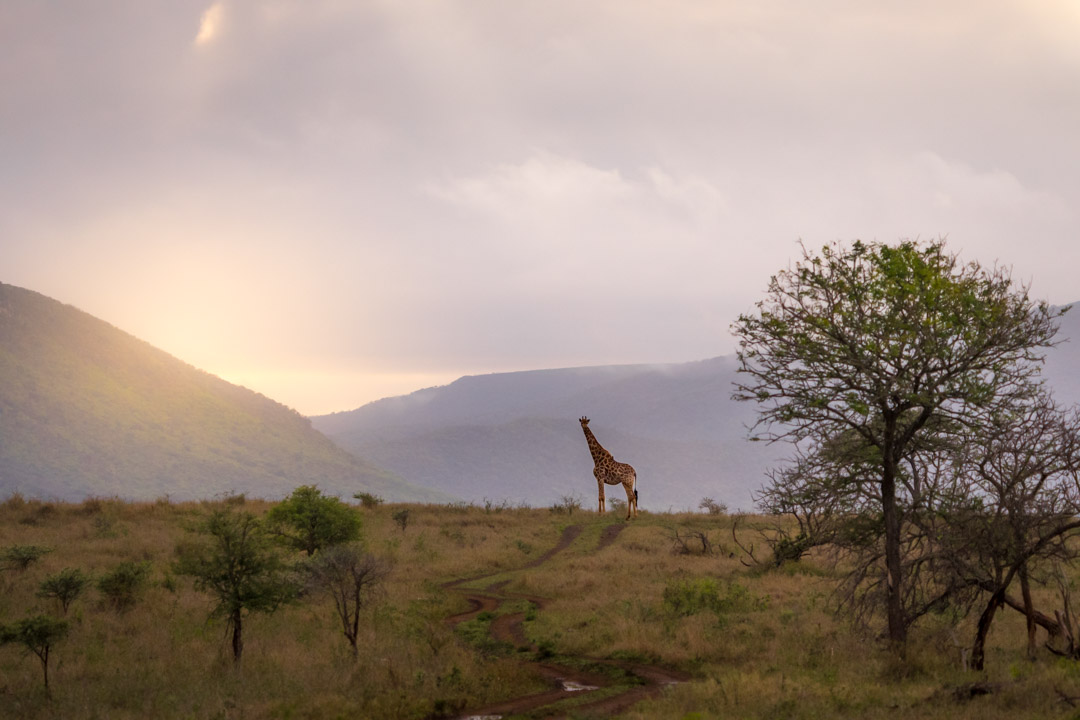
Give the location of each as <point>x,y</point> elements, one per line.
<point>566,682</point>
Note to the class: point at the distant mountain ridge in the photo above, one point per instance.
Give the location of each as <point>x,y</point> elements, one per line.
<point>515,436</point>
<point>86,409</point>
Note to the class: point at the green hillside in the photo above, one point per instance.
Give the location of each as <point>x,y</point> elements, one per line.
<point>86,409</point>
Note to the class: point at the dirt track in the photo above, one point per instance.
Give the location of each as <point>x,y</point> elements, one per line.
<point>565,681</point>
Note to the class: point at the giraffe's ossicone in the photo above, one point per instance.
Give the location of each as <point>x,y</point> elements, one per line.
<point>609,471</point>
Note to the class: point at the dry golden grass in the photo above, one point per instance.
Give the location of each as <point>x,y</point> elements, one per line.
<point>774,649</point>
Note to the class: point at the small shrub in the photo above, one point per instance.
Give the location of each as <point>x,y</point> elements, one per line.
<point>690,597</point>
<point>368,501</point>
<point>104,525</point>
<point>691,542</point>
<point>712,507</point>
<point>37,634</point>
<point>20,557</point>
<point>122,586</point>
<point>235,499</point>
<point>64,586</point>
<point>490,506</point>
<point>14,501</point>
<point>401,517</point>
<point>92,506</point>
<point>567,504</point>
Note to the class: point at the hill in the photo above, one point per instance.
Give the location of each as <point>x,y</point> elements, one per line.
<point>515,435</point>
<point>86,409</point>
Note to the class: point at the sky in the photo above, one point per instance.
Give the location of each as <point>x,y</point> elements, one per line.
<point>331,202</point>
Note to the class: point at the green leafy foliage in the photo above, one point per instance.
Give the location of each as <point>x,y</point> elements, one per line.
<point>309,521</point>
<point>237,564</point>
<point>124,584</point>
<point>37,633</point>
<point>20,557</point>
<point>695,595</point>
<point>867,354</point>
<point>65,586</point>
<point>368,501</point>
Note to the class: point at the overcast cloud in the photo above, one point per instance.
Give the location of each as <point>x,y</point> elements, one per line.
<point>333,201</point>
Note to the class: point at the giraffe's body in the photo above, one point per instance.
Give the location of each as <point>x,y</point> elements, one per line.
<point>609,471</point>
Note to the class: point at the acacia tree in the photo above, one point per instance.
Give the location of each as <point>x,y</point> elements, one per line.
<point>348,575</point>
<point>38,634</point>
<point>64,586</point>
<point>895,344</point>
<point>239,566</point>
<point>1016,505</point>
<point>308,520</point>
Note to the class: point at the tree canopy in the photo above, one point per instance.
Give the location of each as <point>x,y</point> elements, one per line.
<point>866,354</point>
<point>308,520</point>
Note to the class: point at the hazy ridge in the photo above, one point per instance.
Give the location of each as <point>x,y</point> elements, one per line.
<point>515,435</point>
<point>86,409</point>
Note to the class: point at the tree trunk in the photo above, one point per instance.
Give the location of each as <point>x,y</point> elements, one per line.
<point>1029,609</point>
<point>237,636</point>
<point>45,667</point>
<point>893,587</point>
<point>978,649</point>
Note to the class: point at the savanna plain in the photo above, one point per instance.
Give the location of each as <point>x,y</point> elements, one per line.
<point>490,610</point>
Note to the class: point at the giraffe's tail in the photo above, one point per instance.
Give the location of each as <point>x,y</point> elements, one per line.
<point>635,488</point>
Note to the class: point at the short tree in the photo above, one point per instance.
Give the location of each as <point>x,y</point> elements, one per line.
<point>124,584</point>
<point>308,520</point>
<point>894,344</point>
<point>348,575</point>
<point>20,557</point>
<point>236,563</point>
<point>37,633</point>
<point>712,507</point>
<point>64,586</point>
<point>368,501</point>
<point>401,518</point>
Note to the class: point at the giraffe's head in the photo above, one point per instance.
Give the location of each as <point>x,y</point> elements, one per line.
<point>584,421</point>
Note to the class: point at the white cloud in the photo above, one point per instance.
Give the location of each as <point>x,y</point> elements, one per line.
<point>541,184</point>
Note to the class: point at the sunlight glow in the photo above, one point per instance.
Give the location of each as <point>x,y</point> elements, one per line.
<point>210,26</point>
<point>321,392</point>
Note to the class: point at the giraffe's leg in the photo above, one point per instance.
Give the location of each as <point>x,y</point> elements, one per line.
<point>631,501</point>
<point>600,490</point>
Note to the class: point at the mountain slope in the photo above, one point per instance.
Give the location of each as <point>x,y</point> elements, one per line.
<point>515,435</point>
<point>86,409</point>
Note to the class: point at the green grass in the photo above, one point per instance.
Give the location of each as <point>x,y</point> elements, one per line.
<point>755,644</point>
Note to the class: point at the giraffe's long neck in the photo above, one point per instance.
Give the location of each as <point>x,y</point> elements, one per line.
<point>597,450</point>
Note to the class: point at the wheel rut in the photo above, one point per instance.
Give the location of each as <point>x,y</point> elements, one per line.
<point>567,681</point>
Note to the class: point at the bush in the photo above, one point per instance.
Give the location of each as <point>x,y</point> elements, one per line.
<point>123,585</point>
<point>64,586</point>
<point>308,520</point>
<point>237,564</point>
<point>368,501</point>
<point>690,597</point>
<point>712,507</point>
<point>20,557</point>
<point>37,634</point>
<point>567,504</point>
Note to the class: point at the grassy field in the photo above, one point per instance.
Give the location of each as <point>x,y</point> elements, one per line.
<point>484,607</point>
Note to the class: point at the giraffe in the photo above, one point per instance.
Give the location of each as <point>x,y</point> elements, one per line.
<point>611,472</point>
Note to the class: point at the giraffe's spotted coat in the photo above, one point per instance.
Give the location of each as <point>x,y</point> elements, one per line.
<point>609,471</point>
